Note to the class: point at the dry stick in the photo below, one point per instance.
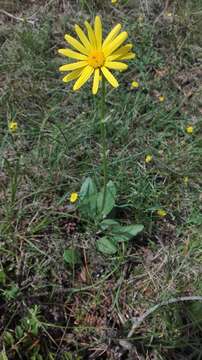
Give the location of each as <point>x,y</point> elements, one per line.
<point>17,17</point>
<point>138,321</point>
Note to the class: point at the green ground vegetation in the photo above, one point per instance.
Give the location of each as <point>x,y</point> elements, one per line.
<point>50,309</point>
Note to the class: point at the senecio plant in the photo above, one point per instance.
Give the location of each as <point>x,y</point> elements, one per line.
<point>95,57</point>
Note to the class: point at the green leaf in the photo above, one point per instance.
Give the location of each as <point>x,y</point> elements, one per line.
<point>88,198</point>
<point>12,292</point>
<point>3,355</point>
<point>19,332</point>
<point>108,223</point>
<point>106,246</point>
<point>88,188</point>
<point>2,277</point>
<point>109,199</point>
<point>125,233</point>
<point>120,238</point>
<point>72,256</point>
<point>8,338</point>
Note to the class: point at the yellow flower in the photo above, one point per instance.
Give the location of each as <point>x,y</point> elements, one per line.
<point>148,158</point>
<point>169,14</point>
<point>13,125</point>
<point>95,56</point>
<point>161,213</point>
<point>134,85</point>
<point>161,98</point>
<point>114,1</point>
<point>189,129</point>
<point>74,197</point>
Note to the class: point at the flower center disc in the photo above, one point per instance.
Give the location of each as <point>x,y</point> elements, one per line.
<point>96,59</point>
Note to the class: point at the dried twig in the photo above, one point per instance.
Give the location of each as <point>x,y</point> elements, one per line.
<point>138,321</point>
<point>17,17</point>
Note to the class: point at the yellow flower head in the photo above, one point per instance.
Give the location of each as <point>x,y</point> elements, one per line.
<point>114,1</point>
<point>13,125</point>
<point>161,98</point>
<point>134,85</point>
<point>74,197</point>
<point>95,56</point>
<point>189,129</point>
<point>161,213</point>
<point>148,159</point>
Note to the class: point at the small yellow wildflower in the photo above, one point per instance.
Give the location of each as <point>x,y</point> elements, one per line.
<point>189,129</point>
<point>74,197</point>
<point>169,14</point>
<point>134,85</point>
<point>186,180</point>
<point>161,212</point>
<point>148,159</point>
<point>114,1</point>
<point>95,57</point>
<point>13,125</point>
<point>161,98</point>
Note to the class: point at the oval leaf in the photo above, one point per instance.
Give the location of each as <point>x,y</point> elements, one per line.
<point>72,257</point>
<point>88,188</point>
<point>108,223</point>
<point>127,232</point>
<point>121,238</point>
<point>88,198</point>
<point>105,209</point>
<point>106,246</point>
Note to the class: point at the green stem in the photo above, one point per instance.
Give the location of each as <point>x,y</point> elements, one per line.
<point>103,138</point>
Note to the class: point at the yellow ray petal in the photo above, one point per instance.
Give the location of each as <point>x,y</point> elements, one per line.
<point>115,43</point>
<point>96,81</point>
<point>85,75</point>
<point>115,65</point>
<point>128,56</point>
<point>73,66</point>
<point>76,44</point>
<point>72,75</point>
<point>112,35</point>
<point>83,37</point>
<point>112,80</point>
<point>72,54</point>
<point>98,32</point>
<point>122,51</point>
<point>91,34</point>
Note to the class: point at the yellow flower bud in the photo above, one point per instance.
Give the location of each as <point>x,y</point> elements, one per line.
<point>161,212</point>
<point>189,129</point>
<point>161,98</point>
<point>74,197</point>
<point>148,159</point>
<point>134,85</point>
<point>13,125</point>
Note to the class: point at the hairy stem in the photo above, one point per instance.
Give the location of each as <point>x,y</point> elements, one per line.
<point>103,139</point>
